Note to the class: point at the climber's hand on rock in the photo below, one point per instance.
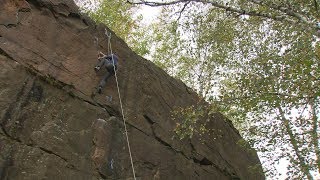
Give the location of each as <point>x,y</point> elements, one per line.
<point>97,68</point>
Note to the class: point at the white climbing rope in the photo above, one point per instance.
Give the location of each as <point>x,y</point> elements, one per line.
<point>124,120</point>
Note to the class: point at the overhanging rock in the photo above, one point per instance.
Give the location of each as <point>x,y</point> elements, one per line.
<point>52,127</point>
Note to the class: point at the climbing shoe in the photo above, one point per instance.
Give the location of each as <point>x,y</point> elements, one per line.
<point>99,90</point>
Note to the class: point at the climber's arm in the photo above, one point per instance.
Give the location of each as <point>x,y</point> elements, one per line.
<point>100,55</point>
<point>100,63</point>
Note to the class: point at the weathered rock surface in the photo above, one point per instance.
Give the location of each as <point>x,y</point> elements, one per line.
<point>52,128</point>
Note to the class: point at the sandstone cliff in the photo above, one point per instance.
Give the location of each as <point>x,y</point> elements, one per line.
<point>51,127</point>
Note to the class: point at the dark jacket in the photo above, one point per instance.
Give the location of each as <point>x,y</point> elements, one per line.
<point>110,58</point>
<point>108,62</point>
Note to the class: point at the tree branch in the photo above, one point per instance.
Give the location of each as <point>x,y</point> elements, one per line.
<point>316,5</point>
<point>314,132</point>
<point>155,4</point>
<point>259,94</point>
<point>280,17</point>
<point>284,10</point>
<point>184,7</point>
<point>295,145</point>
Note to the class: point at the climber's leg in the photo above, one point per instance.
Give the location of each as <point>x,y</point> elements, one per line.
<point>110,67</point>
<point>99,65</point>
<point>104,81</point>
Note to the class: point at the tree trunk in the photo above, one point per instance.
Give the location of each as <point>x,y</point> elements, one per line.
<point>303,166</point>
<point>315,137</point>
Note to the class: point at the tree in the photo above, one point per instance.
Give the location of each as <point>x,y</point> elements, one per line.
<point>279,93</point>
<point>263,56</point>
<point>279,10</point>
<point>119,17</point>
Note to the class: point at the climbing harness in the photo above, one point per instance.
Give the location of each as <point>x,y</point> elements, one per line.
<point>123,117</point>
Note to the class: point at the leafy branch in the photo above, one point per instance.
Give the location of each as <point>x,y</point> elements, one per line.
<point>284,15</point>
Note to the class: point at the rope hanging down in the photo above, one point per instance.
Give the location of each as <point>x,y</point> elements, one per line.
<point>124,120</point>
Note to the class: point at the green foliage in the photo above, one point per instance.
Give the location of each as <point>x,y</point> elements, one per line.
<point>190,121</point>
<point>119,16</point>
<point>262,73</point>
<point>273,90</point>
<point>116,15</point>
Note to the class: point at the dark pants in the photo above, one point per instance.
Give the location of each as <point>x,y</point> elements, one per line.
<point>110,72</point>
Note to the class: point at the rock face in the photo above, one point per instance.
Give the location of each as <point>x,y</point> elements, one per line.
<point>53,128</point>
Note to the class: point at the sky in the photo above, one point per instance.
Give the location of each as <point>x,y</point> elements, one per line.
<point>149,13</point>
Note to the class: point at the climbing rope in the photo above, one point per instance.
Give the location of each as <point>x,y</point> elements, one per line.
<point>124,120</point>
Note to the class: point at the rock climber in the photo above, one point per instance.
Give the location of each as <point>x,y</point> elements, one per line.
<point>110,62</point>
